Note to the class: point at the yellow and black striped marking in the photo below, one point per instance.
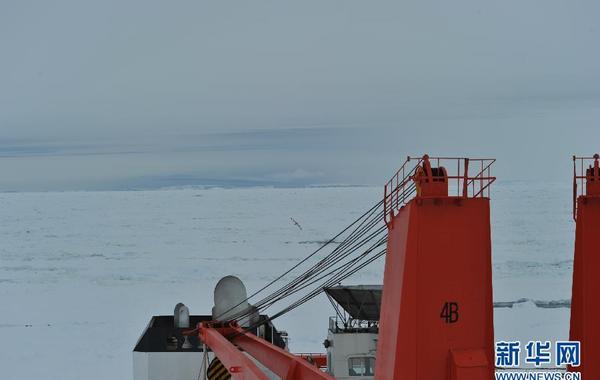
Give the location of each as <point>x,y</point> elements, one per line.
<point>217,371</point>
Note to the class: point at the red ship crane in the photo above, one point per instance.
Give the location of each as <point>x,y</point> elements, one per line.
<point>228,341</point>
<point>586,287</point>
<point>437,311</point>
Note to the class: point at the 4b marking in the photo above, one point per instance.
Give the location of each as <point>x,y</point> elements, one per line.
<point>450,312</point>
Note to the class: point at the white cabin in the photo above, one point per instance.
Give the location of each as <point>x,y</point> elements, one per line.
<point>352,337</point>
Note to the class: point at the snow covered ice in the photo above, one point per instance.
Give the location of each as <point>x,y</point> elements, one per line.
<point>82,272</point>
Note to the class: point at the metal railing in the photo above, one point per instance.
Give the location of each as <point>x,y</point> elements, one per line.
<point>580,177</point>
<point>402,187</point>
<point>337,325</point>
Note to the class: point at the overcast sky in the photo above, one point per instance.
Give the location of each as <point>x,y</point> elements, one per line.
<point>135,94</point>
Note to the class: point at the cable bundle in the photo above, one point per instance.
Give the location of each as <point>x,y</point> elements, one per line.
<point>360,239</point>
<point>363,242</point>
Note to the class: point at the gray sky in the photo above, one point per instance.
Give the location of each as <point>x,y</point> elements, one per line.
<point>133,94</point>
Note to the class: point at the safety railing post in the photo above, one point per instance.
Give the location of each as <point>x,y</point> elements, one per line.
<point>466,179</point>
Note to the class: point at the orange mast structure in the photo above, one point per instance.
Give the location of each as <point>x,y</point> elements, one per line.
<point>586,286</point>
<point>437,309</point>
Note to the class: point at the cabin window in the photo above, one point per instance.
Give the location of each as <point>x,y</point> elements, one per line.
<point>361,366</point>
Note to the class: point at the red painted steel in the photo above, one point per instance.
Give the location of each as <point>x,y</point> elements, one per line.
<point>239,365</point>
<point>468,364</point>
<point>282,363</point>
<point>586,286</point>
<point>317,359</point>
<point>437,310</point>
